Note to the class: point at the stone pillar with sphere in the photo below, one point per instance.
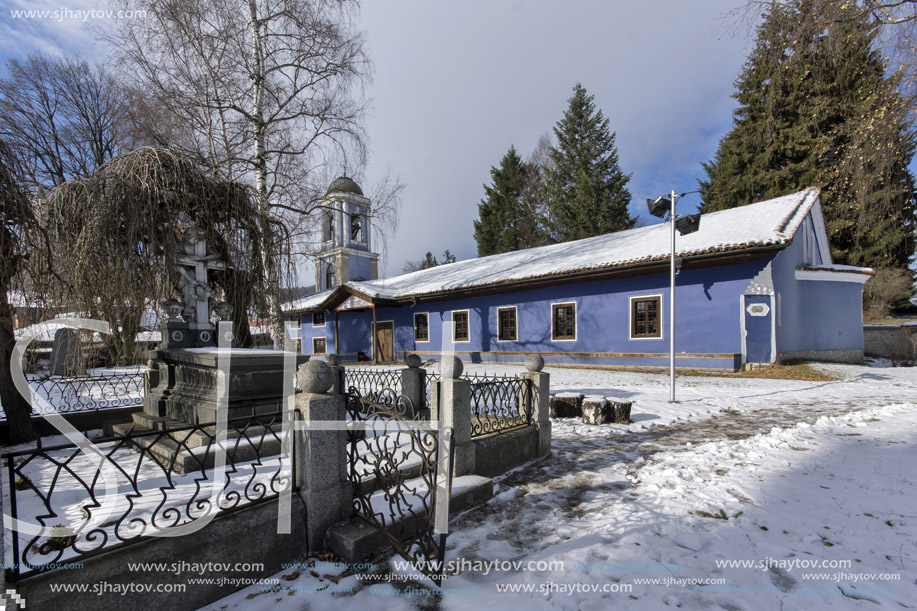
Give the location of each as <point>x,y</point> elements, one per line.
<point>541,401</point>
<point>450,405</point>
<point>321,460</point>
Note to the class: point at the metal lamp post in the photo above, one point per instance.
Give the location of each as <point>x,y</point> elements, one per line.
<point>685,224</point>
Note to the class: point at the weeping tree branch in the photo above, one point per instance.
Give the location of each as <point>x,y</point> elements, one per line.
<point>120,231</point>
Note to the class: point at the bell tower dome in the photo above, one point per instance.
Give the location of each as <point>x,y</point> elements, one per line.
<point>346,240</point>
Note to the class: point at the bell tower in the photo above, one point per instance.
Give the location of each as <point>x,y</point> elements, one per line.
<point>346,251</point>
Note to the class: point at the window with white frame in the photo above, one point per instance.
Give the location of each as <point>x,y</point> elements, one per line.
<point>506,324</point>
<point>318,345</point>
<point>318,319</point>
<point>563,321</point>
<point>421,327</point>
<point>460,330</point>
<point>646,317</point>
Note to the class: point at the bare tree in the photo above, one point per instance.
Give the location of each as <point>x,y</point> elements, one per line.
<point>17,223</point>
<point>62,118</point>
<point>122,229</point>
<point>427,262</point>
<point>533,226</point>
<point>264,91</point>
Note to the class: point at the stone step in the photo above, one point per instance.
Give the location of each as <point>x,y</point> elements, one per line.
<point>355,540</point>
<point>189,449</point>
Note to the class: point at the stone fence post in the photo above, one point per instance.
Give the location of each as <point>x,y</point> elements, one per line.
<point>412,385</point>
<point>451,405</point>
<point>541,386</point>
<point>338,385</point>
<point>321,455</point>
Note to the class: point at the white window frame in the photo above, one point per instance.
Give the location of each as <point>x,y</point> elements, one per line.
<point>508,307</point>
<point>325,340</point>
<point>324,314</point>
<point>414,326</point>
<point>630,316</point>
<point>575,321</point>
<point>468,318</point>
<point>291,323</point>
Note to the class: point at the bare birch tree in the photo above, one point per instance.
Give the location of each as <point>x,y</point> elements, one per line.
<point>264,90</point>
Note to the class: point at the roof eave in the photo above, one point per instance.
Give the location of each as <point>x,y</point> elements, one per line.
<point>594,274</point>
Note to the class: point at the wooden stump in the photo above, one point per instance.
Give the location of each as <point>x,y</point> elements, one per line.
<point>595,411</point>
<point>619,410</point>
<point>566,405</point>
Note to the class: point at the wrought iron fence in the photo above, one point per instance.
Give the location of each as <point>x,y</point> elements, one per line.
<point>371,383</point>
<point>429,379</point>
<point>78,394</point>
<point>499,404</point>
<point>393,464</point>
<point>74,504</point>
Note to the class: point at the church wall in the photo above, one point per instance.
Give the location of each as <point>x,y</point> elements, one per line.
<point>360,268</point>
<point>707,321</point>
<point>816,316</point>
<point>355,334</point>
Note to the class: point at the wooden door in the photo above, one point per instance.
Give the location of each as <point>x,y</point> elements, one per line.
<point>385,343</point>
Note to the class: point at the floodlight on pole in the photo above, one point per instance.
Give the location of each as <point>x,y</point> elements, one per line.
<point>659,206</point>
<point>685,224</point>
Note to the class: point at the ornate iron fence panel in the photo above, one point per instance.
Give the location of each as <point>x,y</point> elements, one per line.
<point>430,378</point>
<point>499,404</point>
<point>75,505</point>
<point>371,383</point>
<point>394,467</point>
<point>78,394</point>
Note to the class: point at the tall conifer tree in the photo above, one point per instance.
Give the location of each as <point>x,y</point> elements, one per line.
<point>501,213</point>
<point>816,107</point>
<point>586,189</point>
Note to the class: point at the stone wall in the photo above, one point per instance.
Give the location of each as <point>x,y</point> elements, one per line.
<point>895,342</point>
<point>496,454</point>
<point>247,536</point>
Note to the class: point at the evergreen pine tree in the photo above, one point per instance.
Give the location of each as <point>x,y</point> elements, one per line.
<point>501,213</point>
<point>817,109</point>
<point>586,189</point>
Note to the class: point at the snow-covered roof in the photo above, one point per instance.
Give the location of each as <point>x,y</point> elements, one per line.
<point>840,269</point>
<point>22,301</point>
<point>771,223</point>
<point>304,303</point>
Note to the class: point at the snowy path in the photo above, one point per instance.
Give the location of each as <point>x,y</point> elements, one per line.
<point>789,494</point>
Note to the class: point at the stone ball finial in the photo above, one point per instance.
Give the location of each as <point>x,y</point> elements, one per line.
<point>451,367</point>
<point>314,377</point>
<point>534,362</point>
<point>334,360</point>
<point>412,360</point>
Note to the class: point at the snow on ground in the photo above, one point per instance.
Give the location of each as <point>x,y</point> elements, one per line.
<point>788,494</point>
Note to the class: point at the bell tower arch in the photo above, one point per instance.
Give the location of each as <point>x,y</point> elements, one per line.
<point>346,240</point>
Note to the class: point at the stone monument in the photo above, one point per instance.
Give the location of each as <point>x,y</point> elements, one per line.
<point>182,384</point>
<point>66,352</point>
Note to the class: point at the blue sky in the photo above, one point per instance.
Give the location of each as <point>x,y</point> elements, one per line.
<point>456,83</point>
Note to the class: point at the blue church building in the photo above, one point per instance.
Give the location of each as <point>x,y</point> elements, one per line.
<point>756,284</point>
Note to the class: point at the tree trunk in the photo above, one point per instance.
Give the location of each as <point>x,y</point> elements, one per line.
<point>17,408</point>
<point>259,128</point>
<point>236,288</point>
